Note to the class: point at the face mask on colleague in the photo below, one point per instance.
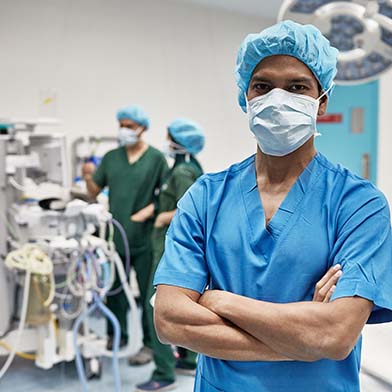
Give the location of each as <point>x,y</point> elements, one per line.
<point>171,149</point>
<point>128,137</point>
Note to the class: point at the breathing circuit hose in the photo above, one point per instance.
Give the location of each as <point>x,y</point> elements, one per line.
<point>98,305</point>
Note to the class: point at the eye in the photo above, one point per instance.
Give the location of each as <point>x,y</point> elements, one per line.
<point>261,88</point>
<point>298,88</point>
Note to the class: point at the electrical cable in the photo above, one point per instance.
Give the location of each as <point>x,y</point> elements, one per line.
<point>31,258</point>
<point>63,284</point>
<point>30,357</point>
<point>22,323</point>
<point>16,185</point>
<point>123,274</point>
<point>110,242</point>
<point>73,275</point>
<point>63,298</point>
<point>9,226</point>
<point>52,291</point>
<point>62,295</point>
<point>127,291</point>
<point>124,238</point>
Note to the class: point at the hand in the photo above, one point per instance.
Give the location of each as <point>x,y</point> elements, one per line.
<point>161,220</point>
<point>213,299</point>
<point>327,284</point>
<point>143,214</point>
<point>88,169</point>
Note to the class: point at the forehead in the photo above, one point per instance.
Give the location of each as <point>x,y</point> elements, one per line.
<point>128,121</point>
<point>282,67</point>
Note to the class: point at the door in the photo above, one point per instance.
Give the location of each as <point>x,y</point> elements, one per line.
<point>350,128</point>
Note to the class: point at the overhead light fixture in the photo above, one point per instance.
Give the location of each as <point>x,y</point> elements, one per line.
<point>360,29</point>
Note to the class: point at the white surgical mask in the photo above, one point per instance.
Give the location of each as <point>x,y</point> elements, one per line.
<point>128,137</point>
<point>167,151</point>
<point>171,149</point>
<point>282,121</point>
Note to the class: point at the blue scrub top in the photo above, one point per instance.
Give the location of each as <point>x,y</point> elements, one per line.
<point>218,239</point>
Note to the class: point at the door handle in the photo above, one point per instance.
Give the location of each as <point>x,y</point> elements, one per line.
<point>366,166</point>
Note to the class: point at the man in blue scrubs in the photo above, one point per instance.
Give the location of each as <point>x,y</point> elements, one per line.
<point>260,234</point>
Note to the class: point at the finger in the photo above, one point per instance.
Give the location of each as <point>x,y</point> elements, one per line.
<point>331,282</point>
<point>329,294</point>
<point>321,283</point>
<point>329,274</point>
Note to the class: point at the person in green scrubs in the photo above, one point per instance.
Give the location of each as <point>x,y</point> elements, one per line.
<point>185,139</point>
<point>132,172</point>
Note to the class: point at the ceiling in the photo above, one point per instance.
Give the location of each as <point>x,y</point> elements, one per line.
<point>267,9</point>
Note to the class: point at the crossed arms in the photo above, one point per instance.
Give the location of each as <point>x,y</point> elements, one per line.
<point>227,326</point>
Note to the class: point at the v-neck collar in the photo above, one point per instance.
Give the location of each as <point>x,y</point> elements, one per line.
<point>254,207</point>
<point>138,160</point>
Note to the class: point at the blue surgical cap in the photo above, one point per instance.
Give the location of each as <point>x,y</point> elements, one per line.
<point>188,134</point>
<point>134,113</point>
<point>304,42</point>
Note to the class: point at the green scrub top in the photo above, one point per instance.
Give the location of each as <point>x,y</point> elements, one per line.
<point>132,186</point>
<point>183,174</point>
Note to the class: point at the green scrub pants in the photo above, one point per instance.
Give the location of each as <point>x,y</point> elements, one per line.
<point>163,354</point>
<point>118,304</point>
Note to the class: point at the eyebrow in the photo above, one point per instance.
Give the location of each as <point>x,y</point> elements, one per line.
<point>303,79</point>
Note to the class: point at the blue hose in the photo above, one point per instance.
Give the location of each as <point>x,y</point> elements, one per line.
<point>98,304</point>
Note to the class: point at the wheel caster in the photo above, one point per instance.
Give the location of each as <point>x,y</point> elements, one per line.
<point>93,368</point>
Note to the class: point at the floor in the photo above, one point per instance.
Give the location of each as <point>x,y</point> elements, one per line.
<point>63,378</point>
<point>24,377</point>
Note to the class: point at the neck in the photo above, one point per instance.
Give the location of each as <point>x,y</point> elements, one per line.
<point>275,170</point>
<point>140,145</point>
<point>182,157</point>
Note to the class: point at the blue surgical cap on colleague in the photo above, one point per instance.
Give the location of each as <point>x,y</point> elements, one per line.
<point>304,42</point>
<point>134,113</point>
<point>188,134</point>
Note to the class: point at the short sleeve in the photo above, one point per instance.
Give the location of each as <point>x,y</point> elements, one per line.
<point>100,175</point>
<point>163,171</point>
<point>183,179</point>
<point>183,263</point>
<point>364,249</point>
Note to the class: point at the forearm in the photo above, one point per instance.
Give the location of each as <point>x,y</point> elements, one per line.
<point>167,217</point>
<point>306,331</point>
<point>187,324</point>
<point>92,188</point>
<point>170,215</point>
<point>294,330</point>
<point>148,211</point>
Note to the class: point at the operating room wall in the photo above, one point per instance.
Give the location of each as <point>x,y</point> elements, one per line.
<point>175,59</point>
<point>94,56</point>
<point>385,137</point>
